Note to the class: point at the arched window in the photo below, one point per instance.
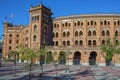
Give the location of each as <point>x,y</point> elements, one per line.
<point>69,24</point>
<point>17,35</point>
<point>45,28</point>
<point>56,43</point>
<point>10,41</point>
<point>88,23</point>
<point>68,43</point>
<point>101,22</point>
<point>116,33</point>
<point>108,22</point>
<point>107,33</point>
<point>118,22</point>
<point>64,43</point>
<point>117,42</point>
<point>75,24</point>
<point>57,25</point>
<point>91,22</point>
<point>76,33</point>
<point>53,34</point>
<point>37,17</point>
<point>81,33</point>
<point>81,23</point>
<point>89,33</point>
<point>66,24</point>
<point>95,23</point>
<point>53,43</point>
<point>78,23</point>
<point>33,18</point>
<point>89,42</point>
<point>54,25</point>
<point>34,38</point>
<point>76,42</point>
<point>17,41</point>
<point>115,23</point>
<point>68,34</point>
<point>10,47</point>
<point>63,24</point>
<point>103,42</point>
<point>64,34</point>
<point>10,35</point>
<point>103,33</point>
<point>56,34</point>
<point>94,42</point>
<point>81,42</point>
<point>105,22</point>
<point>94,33</point>
<point>35,28</point>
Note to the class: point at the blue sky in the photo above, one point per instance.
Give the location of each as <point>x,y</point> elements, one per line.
<point>19,8</point>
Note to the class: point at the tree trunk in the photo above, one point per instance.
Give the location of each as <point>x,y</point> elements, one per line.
<point>30,68</point>
<point>111,68</point>
<point>45,58</point>
<point>42,69</point>
<point>15,68</point>
<point>56,69</point>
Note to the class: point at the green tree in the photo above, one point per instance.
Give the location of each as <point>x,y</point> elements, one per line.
<point>55,61</point>
<point>110,48</point>
<point>62,57</point>
<point>29,55</point>
<point>20,50</point>
<point>13,58</point>
<point>68,58</point>
<point>49,57</point>
<point>41,54</point>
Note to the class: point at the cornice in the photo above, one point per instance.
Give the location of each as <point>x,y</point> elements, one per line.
<point>88,16</point>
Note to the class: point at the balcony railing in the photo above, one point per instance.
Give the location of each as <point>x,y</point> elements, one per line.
<point>73,47</point>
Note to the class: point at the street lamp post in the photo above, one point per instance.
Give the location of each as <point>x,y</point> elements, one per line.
<point>68,67</point>
<point>41,65</point>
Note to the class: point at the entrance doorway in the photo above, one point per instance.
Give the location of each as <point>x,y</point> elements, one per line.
<point>76,58</point>
<point>92,58</point>
<point>49,57</point>
<point>62,58</point>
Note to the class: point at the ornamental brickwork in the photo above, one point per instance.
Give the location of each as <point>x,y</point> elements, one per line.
<point>82,35</point>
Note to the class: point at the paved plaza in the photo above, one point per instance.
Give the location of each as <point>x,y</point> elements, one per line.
<point>76,72</point>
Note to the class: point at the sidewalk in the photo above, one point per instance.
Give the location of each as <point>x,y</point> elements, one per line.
<point>77,72</point>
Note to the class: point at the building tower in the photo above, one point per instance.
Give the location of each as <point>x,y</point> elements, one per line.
<point>40,26</point>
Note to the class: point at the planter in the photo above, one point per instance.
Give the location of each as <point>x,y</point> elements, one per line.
<point>108,62</point>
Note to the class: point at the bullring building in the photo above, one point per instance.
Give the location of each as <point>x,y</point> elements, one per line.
<point>82,35</point>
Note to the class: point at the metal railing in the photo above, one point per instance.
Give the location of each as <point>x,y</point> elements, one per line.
<point>73,47</point>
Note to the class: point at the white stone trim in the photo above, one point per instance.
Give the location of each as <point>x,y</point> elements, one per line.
<point>70,63</point>
<point>20,60</point>
<point>37,62</point>
<point>101,64</point>
<point>117,64</point>
<point>25,61</point>
<point>85,64</point>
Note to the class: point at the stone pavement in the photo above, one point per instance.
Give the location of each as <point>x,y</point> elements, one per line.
<point>77,72</point>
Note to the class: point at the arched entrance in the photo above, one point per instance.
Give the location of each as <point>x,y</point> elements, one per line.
<point>49,57</point>
<point>76,58</point>
<point>62,58</point>
<point>92,58</point>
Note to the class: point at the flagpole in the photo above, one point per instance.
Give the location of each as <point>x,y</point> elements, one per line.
<point>11,16</point>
